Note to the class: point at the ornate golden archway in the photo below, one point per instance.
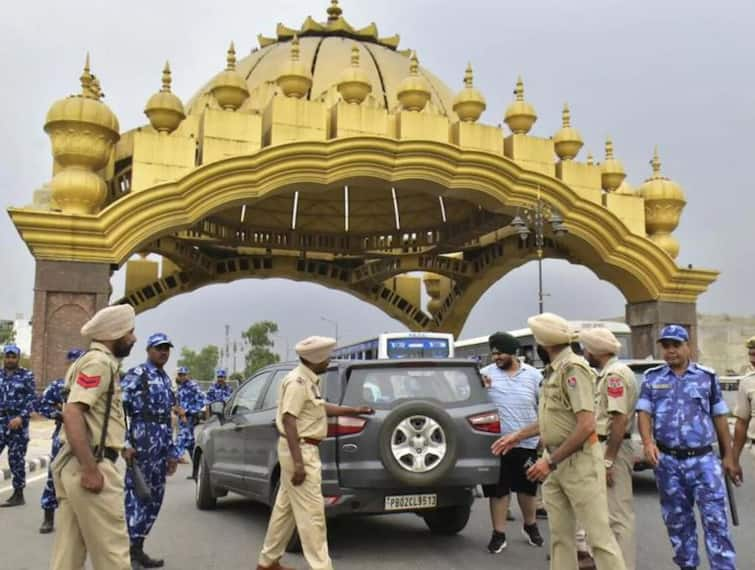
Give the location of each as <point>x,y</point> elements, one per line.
<point>329,156</point>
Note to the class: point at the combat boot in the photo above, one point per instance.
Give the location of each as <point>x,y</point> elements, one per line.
<point>141,558</point>
<point>16,499</point>
<point>48,524</point>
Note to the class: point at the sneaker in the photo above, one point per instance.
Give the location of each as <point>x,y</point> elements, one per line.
<point>532,534</point>
<point>497,542</point>
<point>541,514</point>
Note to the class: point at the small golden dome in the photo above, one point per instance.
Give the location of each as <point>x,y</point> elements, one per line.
<point>414,91</point>
<point>626,189</point>
<point>84,108</point>
<point>164,109</point>
<point>296,80</point>
<point>520,115</point>
<point>469,104</point>
<point>567,140</point>
<point>354,85</point>
<point>611,171</point>
<point>664,202</point>
<point>229,87</point>
<point>334,11</point>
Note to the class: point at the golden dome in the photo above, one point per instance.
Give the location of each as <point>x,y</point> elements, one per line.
<point>664,202</point>
<point>520,115</point>
<point>354,85</point>
<point>164,109</point>
<point>469,103</point>
<point>295,80</point>
<point>228,87</point>
<point>414,92</point>
<point>612,173</point>
<point>567,140</point>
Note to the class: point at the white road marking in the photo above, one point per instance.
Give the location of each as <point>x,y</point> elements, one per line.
<point>28,480</point>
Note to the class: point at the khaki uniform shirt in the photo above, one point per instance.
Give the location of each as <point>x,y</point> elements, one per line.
<point>300,396</point>
<point>745,408</point>
<point>88,380</point>
<point>617,393</point>
<point>568,388</point>
<point>747,369</point>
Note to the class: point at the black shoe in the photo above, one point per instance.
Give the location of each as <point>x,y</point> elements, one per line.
<point>541,514</point>
<point>16,499</point>
<point>497,542</point>
<point>141,558</point>
<point>48,524</point>
<point>532,534</point>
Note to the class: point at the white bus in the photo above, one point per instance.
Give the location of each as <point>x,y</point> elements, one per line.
<point>399,345</point>
<point>478,348</point>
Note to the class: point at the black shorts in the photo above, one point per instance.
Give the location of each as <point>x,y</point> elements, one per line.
<point>513,476</point>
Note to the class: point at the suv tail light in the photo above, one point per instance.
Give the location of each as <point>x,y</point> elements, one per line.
<point>345,425</point>
<point>488,422</point>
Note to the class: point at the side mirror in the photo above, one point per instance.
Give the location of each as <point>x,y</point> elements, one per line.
<point>216,409</point>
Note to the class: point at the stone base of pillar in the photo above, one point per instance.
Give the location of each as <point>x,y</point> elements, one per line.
<point>66,295</point>
<point>646,319</point>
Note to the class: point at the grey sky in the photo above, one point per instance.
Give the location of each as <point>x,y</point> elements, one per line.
<point>674,73</point>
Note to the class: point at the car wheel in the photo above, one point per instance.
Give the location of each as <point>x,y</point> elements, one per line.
<point>204,497</point>
<point>418,444</point>
<point>294,545</point>
<point>447,520</point>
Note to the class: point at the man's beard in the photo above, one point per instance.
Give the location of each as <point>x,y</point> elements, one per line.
<point>543,354</point>
<point>505,363</point>
<point>122,348</point>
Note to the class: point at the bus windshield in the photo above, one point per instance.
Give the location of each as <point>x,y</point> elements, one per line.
<point>417,347</point>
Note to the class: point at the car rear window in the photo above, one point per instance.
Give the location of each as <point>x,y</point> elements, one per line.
<point>382,387</point>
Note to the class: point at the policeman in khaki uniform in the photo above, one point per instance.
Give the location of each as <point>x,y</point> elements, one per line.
<point>616,399</point>
<point>302,423</point>
<point>90,490</point>
<point>749,368</point>
<point>572,467</point>
<point>744,429</point>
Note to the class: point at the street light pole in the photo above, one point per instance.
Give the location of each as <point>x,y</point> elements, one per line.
<point>332,322</point>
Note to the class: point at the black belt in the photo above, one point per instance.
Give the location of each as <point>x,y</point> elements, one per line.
<point>156,418</point>
<point>109,453</point>
<point>604,438</point>
<point>685,453</point>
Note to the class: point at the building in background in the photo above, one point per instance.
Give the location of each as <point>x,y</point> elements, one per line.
<point>722,341</point>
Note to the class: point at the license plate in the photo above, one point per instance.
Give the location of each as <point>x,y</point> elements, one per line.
<point>410,502</point>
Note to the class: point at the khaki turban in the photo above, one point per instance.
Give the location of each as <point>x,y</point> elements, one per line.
<point>751,342</point>
<point>599,340</point>
<point>315,349</point>
<point>110,323</point>
<point>550,330</point>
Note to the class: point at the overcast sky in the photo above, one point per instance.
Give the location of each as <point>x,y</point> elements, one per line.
<point>677,73</point>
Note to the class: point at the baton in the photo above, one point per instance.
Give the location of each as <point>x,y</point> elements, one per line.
<point>140,485</point>
<point>732,498</point>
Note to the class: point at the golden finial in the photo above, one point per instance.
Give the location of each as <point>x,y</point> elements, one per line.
<point>520,115</point>
<point>413,64</point>
<point>165,110</point>
<point>97,88</point>
<point>414,91</point>
<point>355,56</point>
<point>611,171</point>
<point>590,159</point>
<point>469,103</point>
<point>656,163</point>
<point>295,80</point>
<point>86,79</point>
<point>167,79</point>
<point>334,11</point>
<point>567,141</point>
<point>230,58</point>
<point>354,84</point>
<point>609,149</point>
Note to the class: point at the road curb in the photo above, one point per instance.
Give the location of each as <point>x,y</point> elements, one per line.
<point>32,466</point>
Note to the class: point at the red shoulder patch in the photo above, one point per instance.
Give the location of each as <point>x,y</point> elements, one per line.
<point>88,381</point>
<point>615,387</point>
<point>571,381</point>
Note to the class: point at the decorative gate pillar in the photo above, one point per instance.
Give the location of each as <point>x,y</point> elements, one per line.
<point>66,295</point>
<point>646,319</point>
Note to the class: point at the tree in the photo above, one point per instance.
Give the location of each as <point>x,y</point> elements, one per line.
<point>7,333</point>
<point>260,343</point>
<point>201,364</point>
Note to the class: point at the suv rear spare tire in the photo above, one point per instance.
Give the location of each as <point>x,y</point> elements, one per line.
<point>418,443</point>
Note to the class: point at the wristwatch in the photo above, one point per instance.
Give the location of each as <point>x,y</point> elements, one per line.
<point>608,463</point>
<point>552,465</point>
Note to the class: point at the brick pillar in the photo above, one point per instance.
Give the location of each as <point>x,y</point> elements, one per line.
<point>647,318</point>
<point>66,295</point>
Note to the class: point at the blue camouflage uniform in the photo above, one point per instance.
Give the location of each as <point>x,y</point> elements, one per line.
<point>219,391</point>
<point>148,401</point>
<point>192,400</point>
<point>17,398</point>
<point>682,410</point>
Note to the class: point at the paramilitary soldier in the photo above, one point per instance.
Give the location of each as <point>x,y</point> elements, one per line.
<point>191,402</point>
<point>50,405</point>
<point>88,483</point>
<point>744,429</point>
<point>617,392</point>
<point>148,400</point>
<point>302,422</point>
<point>17,397</point>
<point>681,413</point>
<point>572,467</point>
<point>220,391</point>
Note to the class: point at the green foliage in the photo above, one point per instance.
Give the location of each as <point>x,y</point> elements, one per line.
<point>7,334</point>
<point>236,377</point>
<point>201,364</point>
<point>259,354</point>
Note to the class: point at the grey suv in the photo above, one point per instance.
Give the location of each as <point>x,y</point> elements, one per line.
<point>424,450</point>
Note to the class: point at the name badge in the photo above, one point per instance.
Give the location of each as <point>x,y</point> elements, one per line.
<point>661,386</point>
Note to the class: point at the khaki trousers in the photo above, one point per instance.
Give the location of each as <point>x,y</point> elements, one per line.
<point>90,523</point>
<point>298,507</point>
<point>577,490</point>
<point>621,504</point>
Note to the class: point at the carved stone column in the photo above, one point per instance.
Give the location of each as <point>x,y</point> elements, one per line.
<point>646,319</point>
<point>66,295</point>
